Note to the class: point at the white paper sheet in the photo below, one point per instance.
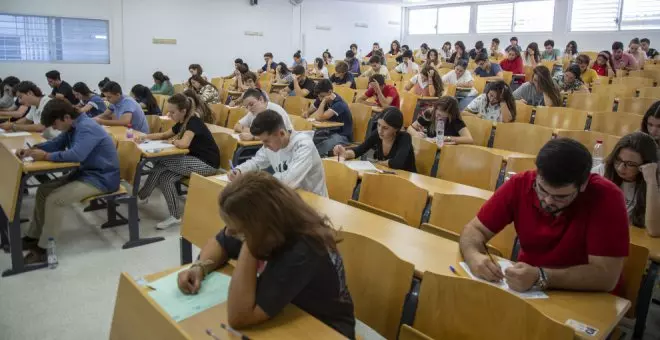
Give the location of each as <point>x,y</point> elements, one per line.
<point>224,178</point>
<point>503,285</point>
<point>236,136</point>
<point>14,134</point>
<point>154,146</point>
<point>361,166</point>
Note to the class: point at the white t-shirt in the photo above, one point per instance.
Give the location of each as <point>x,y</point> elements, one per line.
<point>405,68</point>
<point>298,165</point>
<point>417,79</point>
<point>35,116</point>
<point>324,71</point>
<point>450,78</point>
<point>247,120</point>
<point>628,189</point>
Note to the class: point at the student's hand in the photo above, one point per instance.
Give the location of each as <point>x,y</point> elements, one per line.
<point>22,153</point>
<point>374,86</point>
<point>339,151</point>
<point>482,266</point>
<point>233,174</point>
<point>59,95</point>
<point>521,277</point>
<point>421,134</point>
<point>649,171</point>
<point>431,74</point>
<point>37,154</point>
<point>190,280</point>
<point>5,126</point>
<point>245,136</point>
<point>139,139</point>
<point>97,119</point>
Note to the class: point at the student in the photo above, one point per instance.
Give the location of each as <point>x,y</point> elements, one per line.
<point>342,76</point>
<point>301,86</point>
<point>61,89</point>
<point>255,102</point>
<point>356,52</point>
<point>238,62</point>
<point>446,51</point>
<point>514,44</point>
<point>495,51</point>
<point>90,103</point>
<point>81,141</point>
<point>375,47</point>
<point>327,58</point>
<point>101,84</point>
<point>146,99</point>
<point>589,76</point>
<point>495,104</point>
<point>248,81</point>
<point>407,66</point>
<point>376,68</point>
<point>304,266</point>
<point>292,156</point>
<point>635,50</point>
<point>651,53</point>
<point>196,70</point>
<point>623,60</point>
<point>532,56</point>
<point>461,77</point>
<point>550,52</point>
<point>486,69</point>
<point>405,48</point>
<point>427,83</point>
<point>604,64</point>
<point>162,84</point>
<point>395,49</point>
<point>633,167</point>
<point>270,65</point>
<point>571,51</point>
<point>651,123</point>
<point>203,158</point>
<point>282,74</point>
<point>330,107</point>
<point>200,108</point>
<point>353,63</point>
<point>446,108</point>
<point>29,94</point>
<point>540,91</point>
<point>319,69</point>
<point>459,53</point>
<point>477,50</point>
<point>386,95</point>
<point>432,58</point>
<point>8,102</point>
<point>393,146</point>
<point>572,226</point>
<point>570,80</point>
<point>513,62</point>
<point>17,110</point>
<point>123,110</point>
<point>422,52</point>
<point>207,91</point>
<point>298,60</point>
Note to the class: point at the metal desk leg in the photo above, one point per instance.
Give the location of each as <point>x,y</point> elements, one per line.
<point>644,300</point>
<point>186,251</point>
<point>4,238</point>
<point>134,226</point>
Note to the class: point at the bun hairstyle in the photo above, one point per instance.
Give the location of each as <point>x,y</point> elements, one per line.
<point>297,54</point>
<point>182,102</point>
<point>199,107</point>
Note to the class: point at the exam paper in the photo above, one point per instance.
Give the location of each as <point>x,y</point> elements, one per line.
<point>155,146</point>
<point>361,166</point>
<point>506,264</point>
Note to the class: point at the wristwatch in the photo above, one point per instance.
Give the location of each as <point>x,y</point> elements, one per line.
<point>542,283</point>
<point>448,139</point>
<point>202,265</point>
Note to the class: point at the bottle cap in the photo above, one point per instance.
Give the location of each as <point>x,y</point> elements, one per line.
<point>599,141</point>
<point>51,239</point>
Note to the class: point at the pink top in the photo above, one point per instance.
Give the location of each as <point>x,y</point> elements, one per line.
<point>627,60</point>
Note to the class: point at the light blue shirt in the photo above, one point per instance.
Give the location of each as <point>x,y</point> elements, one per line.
<point>128,104</point>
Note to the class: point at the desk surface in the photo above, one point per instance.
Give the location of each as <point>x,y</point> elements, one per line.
<point>500,152</point>
<point>15,143</point>
<point>216,128</point>
<point>119,132</point>
<point>325,125</point>
<point>638,236</point>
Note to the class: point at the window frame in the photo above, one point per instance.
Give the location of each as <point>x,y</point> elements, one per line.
<point>53,45</point>
<point>619,19</point>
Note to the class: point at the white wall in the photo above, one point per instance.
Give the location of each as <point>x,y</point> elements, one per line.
<point>587,41</point>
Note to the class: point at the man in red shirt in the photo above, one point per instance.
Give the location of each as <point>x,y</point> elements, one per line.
<point>572,225</point>
<point>386,95</point>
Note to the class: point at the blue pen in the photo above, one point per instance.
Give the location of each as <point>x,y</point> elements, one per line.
<point>231,165</point>
<point>453,270</point>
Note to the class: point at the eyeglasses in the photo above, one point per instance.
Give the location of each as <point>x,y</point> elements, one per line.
<point>630,165</point>
<point>543,194</point>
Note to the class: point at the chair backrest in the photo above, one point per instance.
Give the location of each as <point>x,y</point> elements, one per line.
<point>647,73</point>
<point>10,182</point>
<point>408,333</point>
<point>521,137</point>
<point>636,105</point>
<point>379,190</point>
<point>217,82</point>
<point>649,92</point>
<point>201,220</point>
<point>520,164</point>
<point>508,77</point>
<point>346,93</point>
<point>479,84</point>
<point>340,180</point>
<point>220,114</point>
<point>529,72</point>
<point>276,98</point>
<point>614,90</point>
<point>615,123</point>
<point>634,269</point>
<point>589,138</point>
<point>408,106</point>
<point>560,118</point>
<point>265,85</point>
<point>361,83</point>
<point>234,115</point>
<point>634,81</point>
<point>406,77</point>
<point>390,64</point>
<point>376,211</point>
<point>378,281</point>
<point>425,152</point>
<point>450,90</point>
<point>227,145</point>
<point>295,105</point>
<point>549,64</point>
<point>470,165</point>
<point>129,157</point>
<point>444,70</point>
<point>590,101</point>
<point>161,100</point>
<point>523,112</point>
<point>471,304</point>
<point>331,69</point>
<point>154,123</point>
<point>395,76</point>
<point>178,88</point>
<point>300,123</point>
<point>480,129</point>
<point>361,115</point>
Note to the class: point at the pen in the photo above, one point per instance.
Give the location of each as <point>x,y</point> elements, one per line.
<point>453,270</point>
<point>235,332</point>
<point>488,253</point>
<point>150,287</point>
<point>231,165</point>
<point>210,333</point>
<point>28,145</point>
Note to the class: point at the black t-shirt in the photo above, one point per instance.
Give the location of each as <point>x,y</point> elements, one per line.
<point>308,85</point>
<point>343,115</point>
<point>347,78</point>
<point>202,145</point>
<point>300,274</point>
<point>66,90</point>
<point>401,156</point>
<point>18,104</point>
<point>451,128</point>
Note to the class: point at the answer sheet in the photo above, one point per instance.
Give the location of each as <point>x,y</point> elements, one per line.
<point>506,264</point>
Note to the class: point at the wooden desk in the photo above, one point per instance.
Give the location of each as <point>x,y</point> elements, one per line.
<point>245,149</point>
<point>317,125</point>
<point>138,316</point>
<point>638,236</point>
<point>504,153</point>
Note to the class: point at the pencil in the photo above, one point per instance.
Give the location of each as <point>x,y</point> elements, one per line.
<point>488,253</point>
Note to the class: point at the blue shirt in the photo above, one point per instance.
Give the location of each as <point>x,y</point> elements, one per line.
<point>97,103</point>
<point>90,145</point>
<point>342,115</point>
<point>128,104</point>
<point>273,66</point>
<point>494,70</point>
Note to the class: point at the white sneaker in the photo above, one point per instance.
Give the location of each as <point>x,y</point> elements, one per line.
<point>144,201</point>
<point>168,222</point>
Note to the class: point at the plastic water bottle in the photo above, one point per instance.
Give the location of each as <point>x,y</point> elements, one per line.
<point>129,132</point>
<point>52,257</point>
<point>598,153</point>
<point>440,131</point>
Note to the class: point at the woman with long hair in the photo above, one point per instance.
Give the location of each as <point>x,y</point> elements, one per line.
<point>162,84</point>
<point>422,52</point>
<point>196,70</point>
<point>446,51</point>
<point>207,91</point>
<point>513,62</point>
<point>604,64</point>
<point>90,103</point>
<point>395,49</point>
<point>446,107</point>
<point>146,99</point>
<point>651,123</point>
<point>462,78</point>
<point>571,51</point>
<point>588,75</point>
<point>433,59</point>
<point>540,91</point>
<point>319,69</point>
<point>570,80</point>
<point>203,158</point>
<point>282,74</point>
<point>459,53</point>
<point>633,167</point>
<point>495,104</point>
<point>427,83</point>
<point>327,57</point>
<point>532,55</point>
<point>200,108</point>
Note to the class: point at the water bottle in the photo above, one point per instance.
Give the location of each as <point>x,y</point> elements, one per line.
<point>129,132</point>
<point>440,131</point>
<point>52,257</point>
<point>598,153</point>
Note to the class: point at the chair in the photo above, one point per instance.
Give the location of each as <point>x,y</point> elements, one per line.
<point>508,77</point>
<point>450,90</point>
<point>614,90</point>
<point>589,138</point>
<point>590,101</point>
<point>408,333</point>
<point>300,123</point>
<point>636,105</point>
<point>529,72</point>
<point>161,100</point>
<point>647,73</point>
<point>425,152</point>
<point>520,164</point>
<point>379,282</point>
<point>480,129</point>
<point>234,115</point>
<point>295,105</point>
<point>523,112</point>
<point>265,85</point>
<point>615,123</point>
<point>452,307</point>
<point>395,76</point>
<point>521,137</point>
<point>361,116</point>
<point>549,64</point>
<point>406,77</point>
<point>408,106</point>
<point>444,70</point>
<point>634,269</point>
<point>220,114</point>
<point>649,92</point>
<point>378,190</point>
<point>634,81</point>
<point>276,98</point>
<point>480,84</point>
<point>227,145</point>
<point>346,93</point>
<point>154,123</point>
<point>560,118</point>
<point>390,64</point>
<point>376,211</point>
<point>340,180</point>
<point>178,88</point>
<point>470,165</point>
<point>217,82</point>
<point>331,69</point>
<point>364,68</point>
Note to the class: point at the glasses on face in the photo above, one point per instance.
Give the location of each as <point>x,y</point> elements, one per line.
<point>543,194</point>
<point>629,165</point>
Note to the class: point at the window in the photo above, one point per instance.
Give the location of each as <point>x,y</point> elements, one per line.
<point>640,15</point>
<point>422,21</point>
<point>494,18</point>
<point>453,20</point>
<point>533,16</point>
<point>53,39</point>
<point>595,15</point>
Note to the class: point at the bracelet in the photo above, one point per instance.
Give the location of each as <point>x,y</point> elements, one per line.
<point>202,265</point>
